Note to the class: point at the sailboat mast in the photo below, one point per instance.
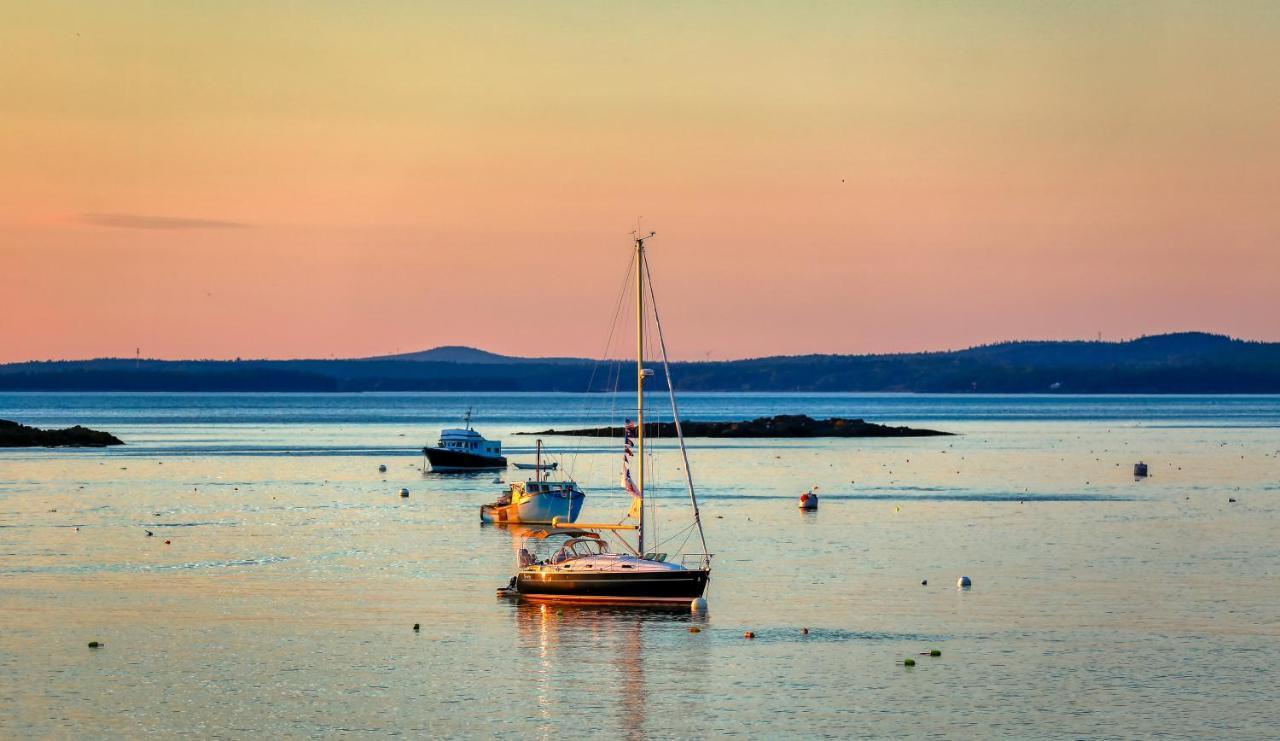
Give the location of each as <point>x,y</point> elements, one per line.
<point>640,384</point>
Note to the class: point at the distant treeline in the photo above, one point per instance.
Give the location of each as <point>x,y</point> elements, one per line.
<point>1174,363</point>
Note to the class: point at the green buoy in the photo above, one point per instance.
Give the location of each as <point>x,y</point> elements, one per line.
<point>95,644</point>
<point>935,652</point>
<point>908,662</point>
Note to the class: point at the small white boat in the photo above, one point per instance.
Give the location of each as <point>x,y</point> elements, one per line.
<point>535,466</point>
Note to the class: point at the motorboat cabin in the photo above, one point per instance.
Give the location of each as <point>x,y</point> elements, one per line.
<point>468,441</point>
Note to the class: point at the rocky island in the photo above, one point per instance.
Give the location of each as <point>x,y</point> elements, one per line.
<point>14,435</point>
<point>783,425</point>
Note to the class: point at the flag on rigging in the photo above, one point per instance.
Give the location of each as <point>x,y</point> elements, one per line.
<point>628,484</point>
<point>629,429</point>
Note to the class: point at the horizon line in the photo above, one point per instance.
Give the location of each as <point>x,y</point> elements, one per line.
<point>396,355</point>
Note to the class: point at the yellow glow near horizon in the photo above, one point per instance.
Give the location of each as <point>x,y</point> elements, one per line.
<point>316,179</point>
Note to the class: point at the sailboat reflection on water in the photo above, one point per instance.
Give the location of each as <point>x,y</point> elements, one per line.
<point>619,645</point>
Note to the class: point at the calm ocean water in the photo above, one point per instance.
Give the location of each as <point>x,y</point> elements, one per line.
<point>1101,607</point>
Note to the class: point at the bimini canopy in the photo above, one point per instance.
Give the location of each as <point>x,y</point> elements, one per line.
<point>547,532</point>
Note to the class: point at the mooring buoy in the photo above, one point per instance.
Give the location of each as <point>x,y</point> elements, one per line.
<point>964,582</point>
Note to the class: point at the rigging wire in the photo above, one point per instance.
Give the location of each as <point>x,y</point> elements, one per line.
<point>604,358</point>
<point>675,411</point>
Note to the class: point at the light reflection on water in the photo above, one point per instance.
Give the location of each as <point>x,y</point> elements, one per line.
<point>1101,606</point>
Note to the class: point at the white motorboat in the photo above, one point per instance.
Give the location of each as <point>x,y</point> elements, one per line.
<point>537,501</point>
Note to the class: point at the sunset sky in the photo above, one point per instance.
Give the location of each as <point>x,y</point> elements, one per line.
<point>316,179</point>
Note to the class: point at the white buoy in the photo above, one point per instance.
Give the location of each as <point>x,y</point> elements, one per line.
<point>382,468</point>
<point>404,492</point>
<point>964,582</point>
<point>698,605</point>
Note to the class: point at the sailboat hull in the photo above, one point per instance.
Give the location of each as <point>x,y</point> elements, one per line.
<point>645,587</point>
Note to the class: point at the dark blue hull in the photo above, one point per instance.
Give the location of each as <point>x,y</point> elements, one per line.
<point>457,460</point>
<point>615,587</point>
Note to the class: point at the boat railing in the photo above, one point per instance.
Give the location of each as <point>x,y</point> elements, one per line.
<point>696,560</point>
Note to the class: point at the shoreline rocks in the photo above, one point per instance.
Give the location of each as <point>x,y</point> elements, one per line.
<point>782,426</point>
<point>14,435</point>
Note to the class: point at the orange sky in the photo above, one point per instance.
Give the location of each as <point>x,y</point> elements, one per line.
<point>320,179</point>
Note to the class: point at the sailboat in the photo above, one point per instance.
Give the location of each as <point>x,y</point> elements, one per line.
<point>578,564</point>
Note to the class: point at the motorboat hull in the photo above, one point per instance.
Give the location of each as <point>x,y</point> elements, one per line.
<point>539,509</point>
<point>640,587</point>
<point>445,461</point>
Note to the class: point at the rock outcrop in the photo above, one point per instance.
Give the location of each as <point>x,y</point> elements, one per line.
<point>14,435</point>
<point>783,425</point>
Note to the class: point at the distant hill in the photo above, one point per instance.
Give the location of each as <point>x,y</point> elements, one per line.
<point>1190,362</point>
<point>464,354</point>
<point>451,354</point>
